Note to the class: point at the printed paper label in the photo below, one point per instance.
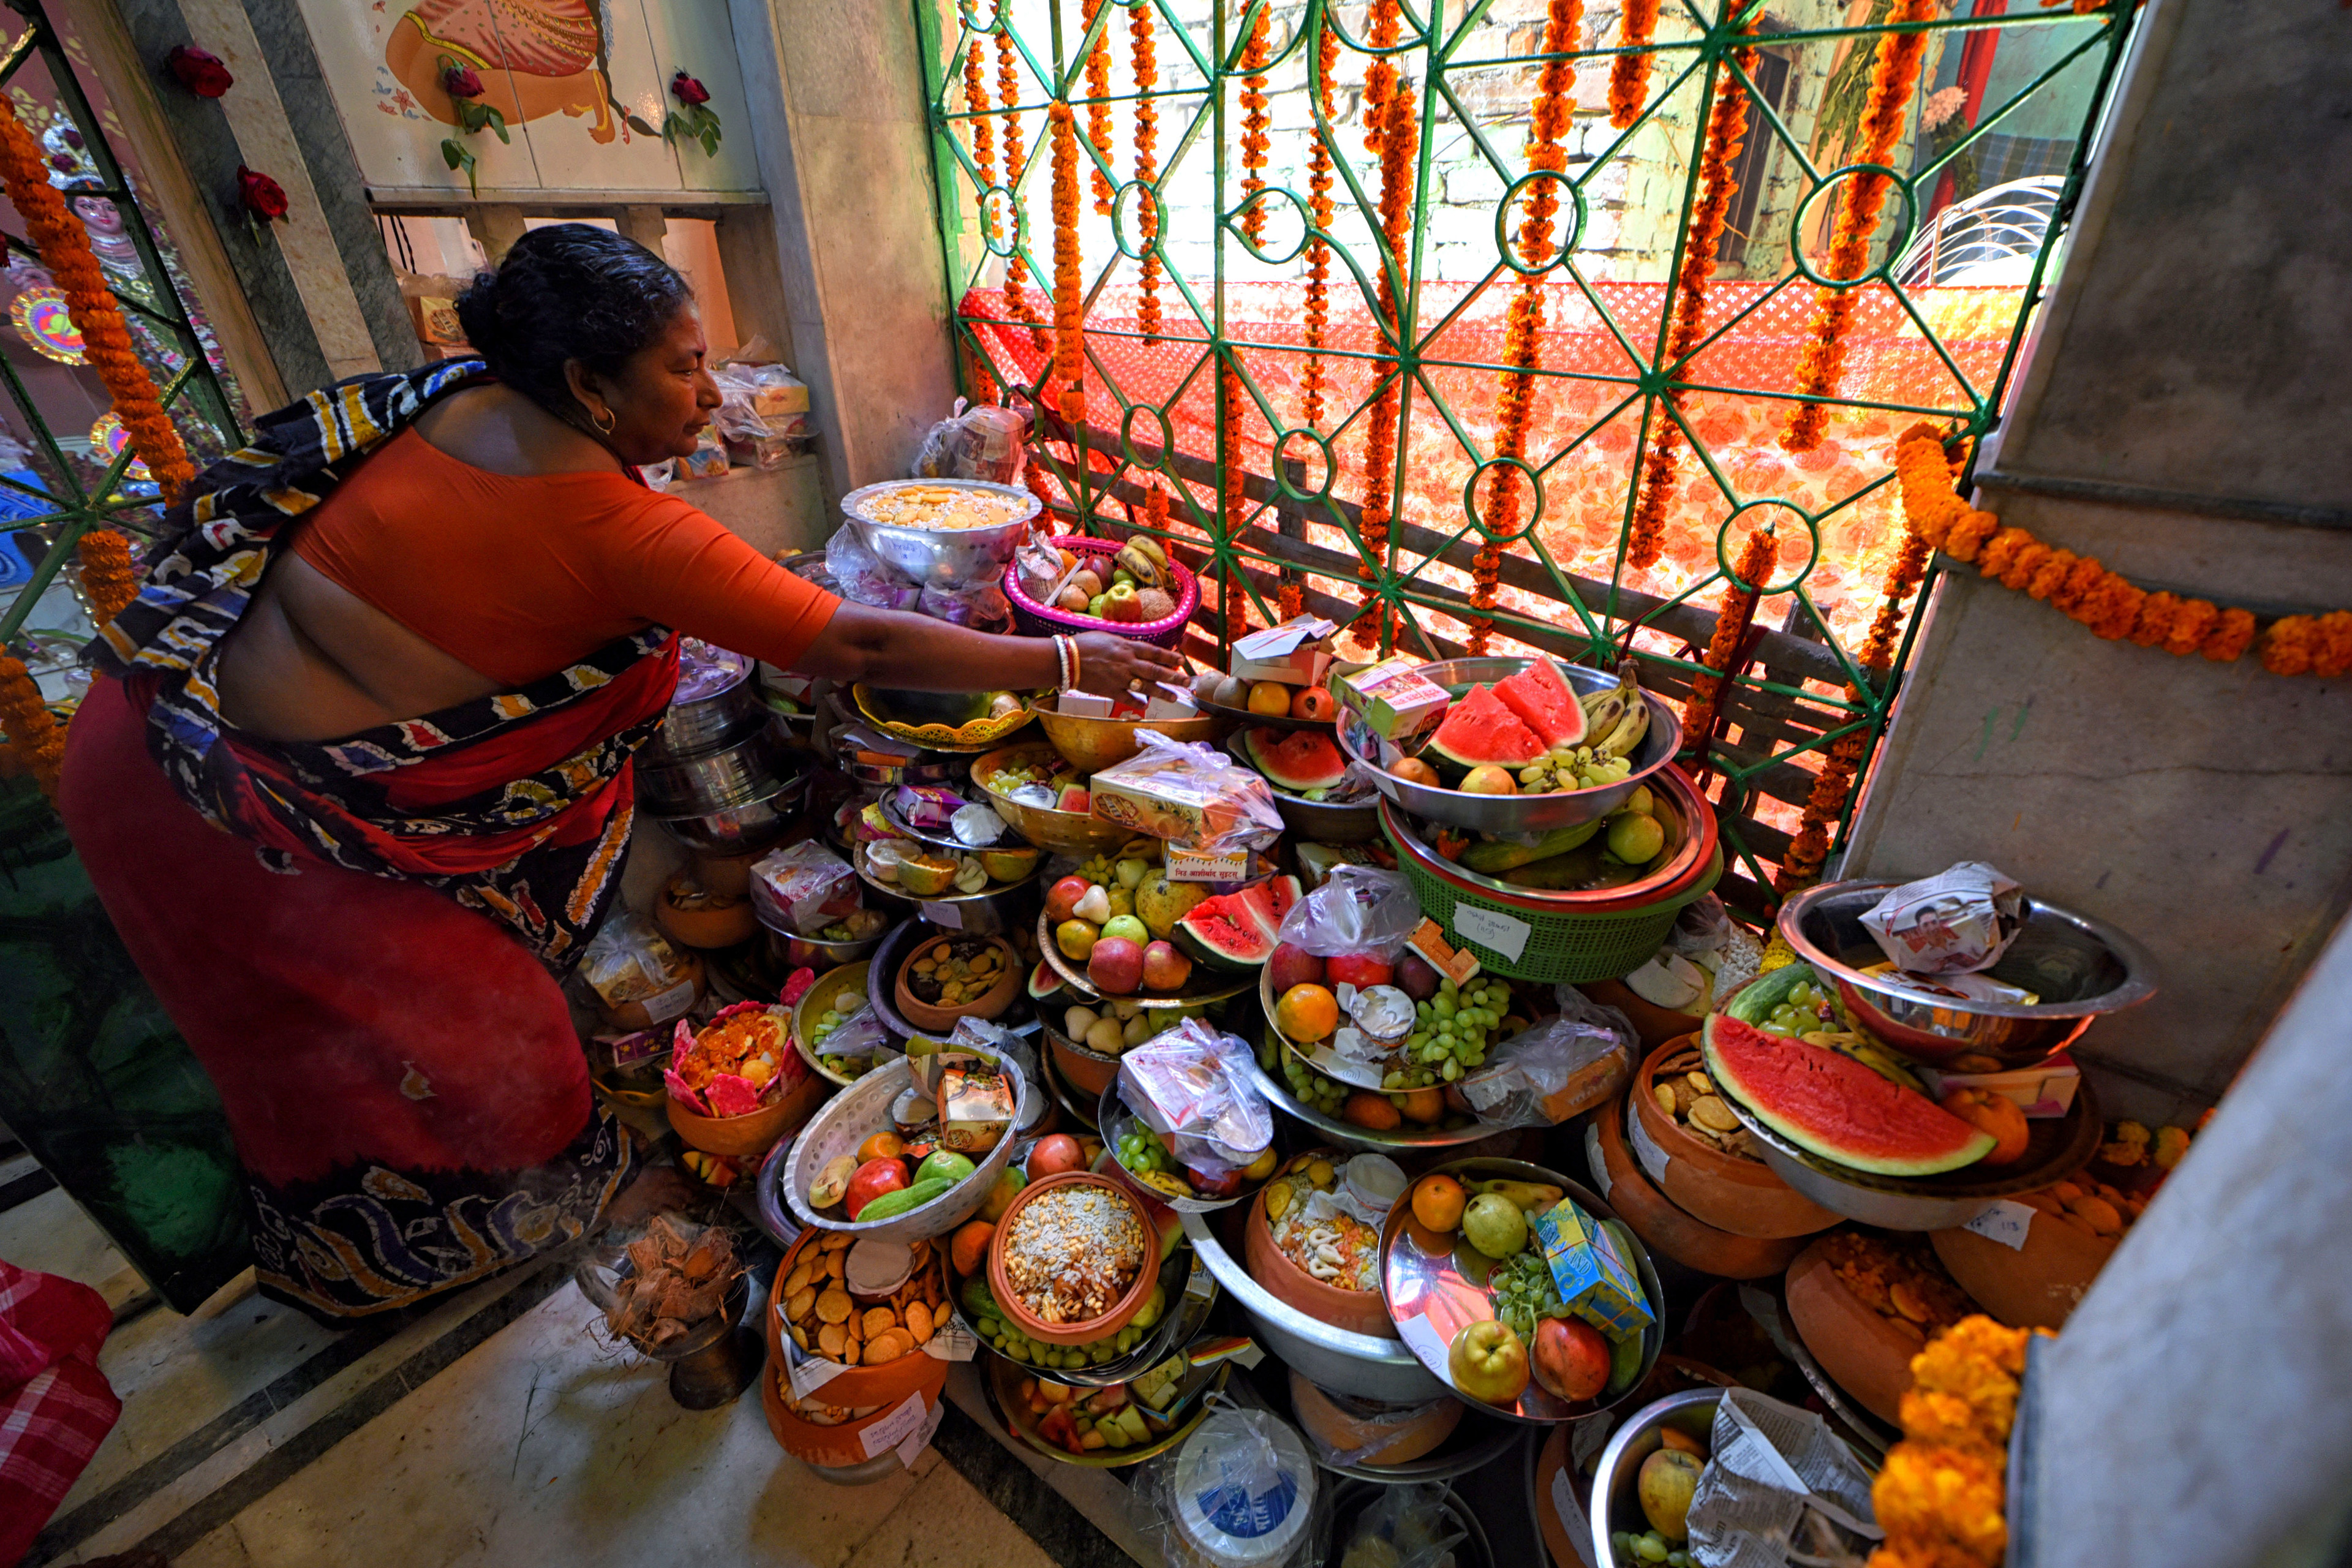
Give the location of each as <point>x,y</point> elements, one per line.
<point>1571,1515</point>
<point>1498,933</point>
<point>1600,1166</point>
<point>2006,1222</point>
<point>920,1438</point>
<point>1652,1160</point>
<point>953,1342</point>
<point>664,1005</point>
<point>894,1427</point>
<point>947,916</point>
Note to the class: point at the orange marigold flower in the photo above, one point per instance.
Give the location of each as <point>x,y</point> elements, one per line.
<point>2155,623</point>
<point>2229,636</point>
<point>1968,536</point>
<point>2023,563</point>
<point>1256,121</point>
<point>2189,623</point>
<point>2052,574</point>
<point>1144,58</point>
<point>2080,585</point>
<point>1629,74</point>
<point>2331,653</point>
<point>1099,105</point>
<point>2286,647</point>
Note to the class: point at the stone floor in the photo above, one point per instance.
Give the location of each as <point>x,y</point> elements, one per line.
<point>502,1428</point>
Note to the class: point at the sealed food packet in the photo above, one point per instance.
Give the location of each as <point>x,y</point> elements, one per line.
<point>927,806</point>
<point>1189,793</point>
<point>803,888</point>
<point>1957,921</point>
<point>1191,1085</point>
<point>629,960</point>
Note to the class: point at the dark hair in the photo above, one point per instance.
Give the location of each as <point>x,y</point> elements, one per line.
<point>570,290</point>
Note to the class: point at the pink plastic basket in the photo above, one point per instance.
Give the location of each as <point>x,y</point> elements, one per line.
<point>1044,620</point>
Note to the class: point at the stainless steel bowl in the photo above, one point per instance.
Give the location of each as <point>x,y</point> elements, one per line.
<point>796,952</point>
<point>746,770</point>
<point>1364,1140</point>
<point>1319,821</point>
<point>741,829</point>
<point>716,718</point>
<point>1518,813</point>
<point>2080,967</point>
<point>1682,811</point>
<point>941,557</point>
<point>1331,1358</point>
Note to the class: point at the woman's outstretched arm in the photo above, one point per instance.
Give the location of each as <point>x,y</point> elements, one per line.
<point>915,653</point>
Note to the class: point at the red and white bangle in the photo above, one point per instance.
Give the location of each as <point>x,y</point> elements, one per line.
<point>1067,649</point>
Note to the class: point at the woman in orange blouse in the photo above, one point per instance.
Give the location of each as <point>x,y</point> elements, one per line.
<point>416,732</point>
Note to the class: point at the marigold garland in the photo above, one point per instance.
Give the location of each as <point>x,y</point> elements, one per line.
<point>1391,131</point>
<point>1893,73</point>
<point>1941,1495</point>
<point>2089,593</point>
<point>1099,107</point>
<point>36,741</point>
<point>108,575</point>
<point>1147,168</point>
<point>1550,118</point>
<point>983,134</point>
<point>1726,134</point>
<point>63,245</point>
<point>1234,503</point>
<point>1629,74</point>
<point>1256,121</point>
<point>1069,304</point>
<point>1758,557</point>
<point>1318,255</point>
<point>1016,269</point>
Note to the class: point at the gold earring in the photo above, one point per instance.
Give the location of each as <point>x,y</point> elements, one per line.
<point>604,426</point>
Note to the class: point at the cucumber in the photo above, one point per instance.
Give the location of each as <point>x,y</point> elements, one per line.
<point>1582,869</point>
<point>891,1206</point>
<point>1504,855</point>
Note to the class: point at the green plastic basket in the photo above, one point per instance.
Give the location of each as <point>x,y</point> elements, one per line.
<point>1562,948</point>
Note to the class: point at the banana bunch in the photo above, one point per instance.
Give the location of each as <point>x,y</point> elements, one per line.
<point>1143,559</point>
<point>1573,768</point>
<point>1615,720</point>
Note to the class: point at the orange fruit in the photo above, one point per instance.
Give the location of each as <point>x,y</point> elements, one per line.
<point>1427,1105</point>
<point>1313,702</point>
<point>1437,1202</point>
<point>881,1146</point>
<point>1369,1109</point>
<point>969,1251</point>
<point>1994,1113</point>
<point>1307,1012</point>
<point>1413,770</point>
<point>1271,697</point>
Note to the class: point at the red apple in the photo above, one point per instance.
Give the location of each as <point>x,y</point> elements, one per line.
<point>871,1180</point>
<point>1164,968</point>
<point>1570,1358</point>
<point>1357,969</point>
<point>1054,1154</point>
<point>1293,965</point>
<point>1062,897</point>
<point>1116,966</point>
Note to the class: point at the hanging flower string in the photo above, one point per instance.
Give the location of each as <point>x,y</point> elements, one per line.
<point>1941,1497</point>
<point>1256,123</point>
<point>1235,595</point>
<point>1629,74</point>
<point>1069,302</point>
<point>1758,557</point>
<point>1099,129</point>
<point>2100,599</point>
<point>983,134</point>
<point>1391,132</point>
<point>1821,363</point>
<point>1016,268</point>
<point>108,575</point>
<point>1555,103</point>
<point>36,741</point>
<point>1318,255</point>
<point>63,245</point>
<point>1147,134</point>
<point>1726,134</point>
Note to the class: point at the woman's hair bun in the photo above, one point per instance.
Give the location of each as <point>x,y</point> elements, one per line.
<point>567,292</point>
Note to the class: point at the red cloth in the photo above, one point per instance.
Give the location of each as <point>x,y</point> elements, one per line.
<point>56,1406</point>
<point>347,1019</point>
<point>517,577</point>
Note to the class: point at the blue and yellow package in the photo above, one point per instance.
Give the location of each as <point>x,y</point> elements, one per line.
<point>1594,1282</point>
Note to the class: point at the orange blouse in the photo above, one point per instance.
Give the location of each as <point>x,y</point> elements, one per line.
<point>516,578</point>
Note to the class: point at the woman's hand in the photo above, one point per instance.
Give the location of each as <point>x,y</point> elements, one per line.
<point>1108,666</point>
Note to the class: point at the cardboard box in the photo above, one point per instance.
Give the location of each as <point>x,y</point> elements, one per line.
<point>1598,1285</point>
<point>1428,939</point>
<point>1393,698</point>
<point>1084,705</point>
<point>2043,1091</point>
<point>1168,702</point>
<point>1295,653</point>
<point>1186,864</point>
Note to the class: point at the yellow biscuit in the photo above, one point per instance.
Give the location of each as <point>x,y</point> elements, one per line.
<point>834,1306</point>
<point>919,1321</point>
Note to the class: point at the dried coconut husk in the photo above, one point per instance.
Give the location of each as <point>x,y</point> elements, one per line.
<point>679,1279</point>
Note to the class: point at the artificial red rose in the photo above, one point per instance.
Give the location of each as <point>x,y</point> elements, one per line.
<point>459,81</point>
<point>198,70</point>
<point>260,194</point>
<point>689,91</point>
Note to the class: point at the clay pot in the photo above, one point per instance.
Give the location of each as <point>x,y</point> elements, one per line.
<point>2036,1286</point>
<point>1358,1312</point>
<point>744,1137</point>
<point>1862,1352</point>
<point>1549,1463</point>
<point>1656,1025</point>
<point>630,1016</point>
<point>1093,1329</point>
<point>941,1021</point>
<point>886,1382</point>
<point>1341,1431</point>
<point>1693,1243</point>
<point>1740,1196</point>
<point>707,928</point>
<point>838,1447</point>
<point>1088,1074</point>
<point>729,876</point>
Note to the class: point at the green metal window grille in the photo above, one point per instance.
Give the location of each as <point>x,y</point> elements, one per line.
<point>71,484</point>
<point>1987,165</point>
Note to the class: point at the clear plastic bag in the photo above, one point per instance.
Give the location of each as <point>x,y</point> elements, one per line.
<point>1194,1087</point>
<point>1703,927</point>
<point>803,888</point>
<point>1189,793</point>
<point>1543,1076</point>
<point>1383,1422</point>
<point>629,960</point>
<point>1241,1489</point>
<point>863,577</point>
<point>1404,1526</point>
<point>981,443</point>
<point>1358,909</point>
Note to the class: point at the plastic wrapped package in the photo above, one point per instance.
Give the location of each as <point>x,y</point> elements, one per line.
<point>1241,1492</point>
<point>1541,1076</point>
<point>863,577</point>
<point>1193,1086</point>
<point>803,888</point>
<point>1188,792</point>
<point>659,477</point>
<point>983,443</point>
<point>1404,1526</point>
<point>1358,909</point>
<point>1959,921</point>
<point>629,960</point>
<point>708,460</point>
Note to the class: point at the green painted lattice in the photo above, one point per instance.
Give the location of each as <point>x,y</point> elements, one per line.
<point>2020,89</point>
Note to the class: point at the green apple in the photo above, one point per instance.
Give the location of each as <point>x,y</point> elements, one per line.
<point>1495,1226</point>
<point>1126,928</point>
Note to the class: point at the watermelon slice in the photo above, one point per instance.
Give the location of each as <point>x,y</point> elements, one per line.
<point>1545,702</point>
<point>1238,930</point>
<point>1479,728</point>
<point>1835,1106</point>
<point>1294,761</point>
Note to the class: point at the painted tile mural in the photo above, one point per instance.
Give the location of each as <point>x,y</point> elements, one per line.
<point>576,80</point>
